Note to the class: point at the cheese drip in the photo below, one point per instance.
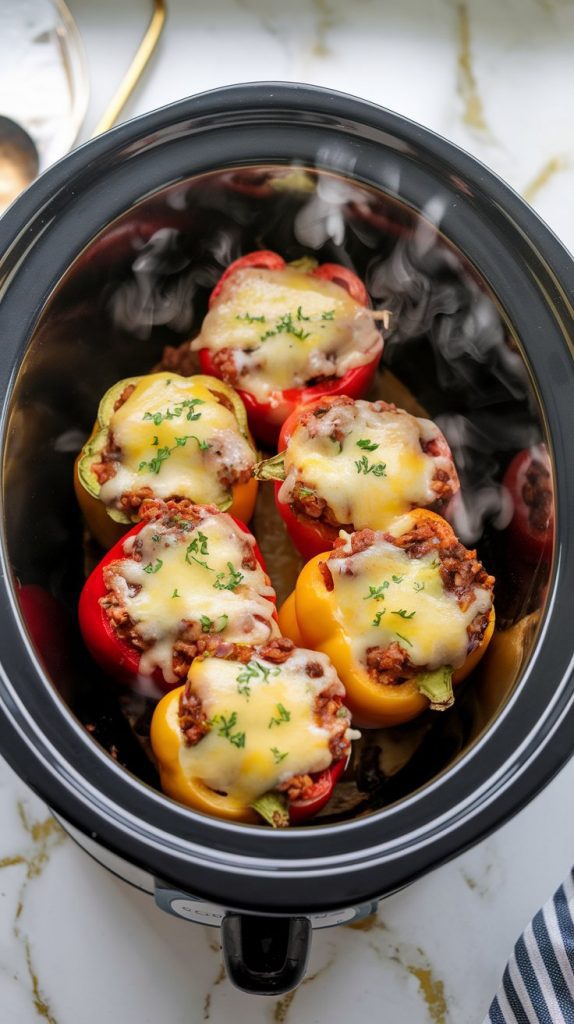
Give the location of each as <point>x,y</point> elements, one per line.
<point>366,486</point>
<point>175,438</point>
<point>276,717</point>
<point>391,598</point>
<point>257,313</point>
<point>179,585</point>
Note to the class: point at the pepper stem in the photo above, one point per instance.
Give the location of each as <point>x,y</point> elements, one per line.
<point>437,686</point>
<point>273,808</point>
<point>271,469</point>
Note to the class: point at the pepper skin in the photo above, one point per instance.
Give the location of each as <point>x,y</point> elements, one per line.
<point>307,618</point>
<point>108,525</point>
<point>167,741</point>
<point>116,656</point>
<point>265,418</point>
<point>531,536</point>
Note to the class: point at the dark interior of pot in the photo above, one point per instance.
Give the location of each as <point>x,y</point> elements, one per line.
<point>142,285</point>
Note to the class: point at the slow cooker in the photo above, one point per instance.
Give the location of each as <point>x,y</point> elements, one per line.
<point>106,261</point>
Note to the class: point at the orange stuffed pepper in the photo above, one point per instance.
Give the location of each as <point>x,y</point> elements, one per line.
<point>403,614</point>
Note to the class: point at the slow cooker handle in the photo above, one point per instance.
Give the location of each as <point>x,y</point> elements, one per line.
<point>265,955</point>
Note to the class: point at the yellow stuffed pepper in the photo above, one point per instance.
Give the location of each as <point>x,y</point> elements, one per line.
<point>403,615</point>
<point>165,436</point>
<point>256,734</point>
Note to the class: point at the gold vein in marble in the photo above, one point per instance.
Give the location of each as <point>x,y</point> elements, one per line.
<point>555,165</point>
<point>282,1006</point>
<point>326,19</point>
<point>45,835</point>
<point>432,991</point>
<point>207,1002</point>
<point>42,1007</point>
<point>467,87</point>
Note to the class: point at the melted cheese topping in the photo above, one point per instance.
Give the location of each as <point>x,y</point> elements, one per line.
<point>287,327</point>
<point>274,717</point>
<point>391,598</point>
<point>175,437</point>
<point>181,577</point>
<point>364,486</point>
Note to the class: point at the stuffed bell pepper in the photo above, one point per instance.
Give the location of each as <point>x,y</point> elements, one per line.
<point>529,481</point>
<point>403,614</point>
<point>183,574</point>
<point>284,334</point>
<point>255,734</point>
<point>346,464</point>
<point>165,436</point>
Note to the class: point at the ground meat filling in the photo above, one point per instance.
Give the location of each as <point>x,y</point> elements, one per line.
<point>306,504</point>
<point>111,454</point>
<point>460,571</point>
<point>179,516</point>
<point>537,495</point>
<point>329,709</point>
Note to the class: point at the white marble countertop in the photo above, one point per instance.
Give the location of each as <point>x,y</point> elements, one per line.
<point>78,946</point>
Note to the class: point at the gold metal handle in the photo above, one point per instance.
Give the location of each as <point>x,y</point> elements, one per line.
<point>136,68</point>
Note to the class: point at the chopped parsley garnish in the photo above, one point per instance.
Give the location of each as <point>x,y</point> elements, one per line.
<point>198,561</point>
<point>329,314</point>
<point>213,625</point>
<point>278,755</point>
<point>285,325</point>
<point>418,587</point>
<point>153,567</point>
<point>400,635</point>
<point>198,546</point>
<point>300,315</point>
<point>377,619</point>
<point>254,670</point>
<point>366,445</point>
<point>397,579</point>
<point>156,538</point>
<point>378,593</point>
<point>155,441</point>
<point>154,465</point>
<point>283,716</point>
<point>306,492</point>
<point>235,578</point>
<point>435,563</point>
<point>251,319</point>
<point>376,468</point>
<point>176,593</point>
<point>225,726</point>
<point>404,614</point>
<point>188,404</point>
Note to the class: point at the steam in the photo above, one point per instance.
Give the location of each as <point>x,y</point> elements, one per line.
<point>429,291</point>
<point>163,283</point>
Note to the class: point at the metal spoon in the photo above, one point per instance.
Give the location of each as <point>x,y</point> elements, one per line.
<point>19,161</point>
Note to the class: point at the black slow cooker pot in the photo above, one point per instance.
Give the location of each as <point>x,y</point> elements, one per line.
<point>108,258</point>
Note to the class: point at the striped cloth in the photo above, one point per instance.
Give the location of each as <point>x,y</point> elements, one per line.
<point>538,983</point>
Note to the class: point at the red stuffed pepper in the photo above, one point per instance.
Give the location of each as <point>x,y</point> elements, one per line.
<point>182,575</point>
<point>350,465</point>
<point>529,481</point>
<point>285,334</point>
<point>255,733</point>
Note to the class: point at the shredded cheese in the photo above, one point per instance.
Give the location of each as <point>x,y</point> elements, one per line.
<point>175,438</point>
<point>287,327</point>
<point>184,576</point>
<point>263,731</point>
<point>381,596</point>
<point>377,471</point>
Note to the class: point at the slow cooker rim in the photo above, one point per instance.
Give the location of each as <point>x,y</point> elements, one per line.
<point>147,122</point>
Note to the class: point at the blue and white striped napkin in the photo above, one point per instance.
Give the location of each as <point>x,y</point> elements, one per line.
<point>538,983</point>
